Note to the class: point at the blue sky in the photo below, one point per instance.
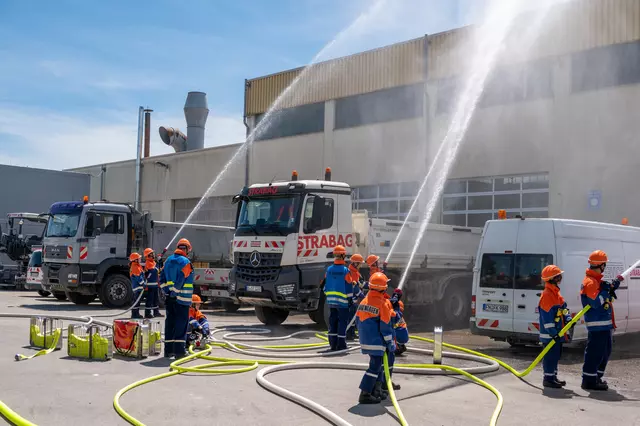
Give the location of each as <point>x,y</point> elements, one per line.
<point>73,72</point>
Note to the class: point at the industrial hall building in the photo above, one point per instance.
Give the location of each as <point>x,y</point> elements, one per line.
<point>555,132</point>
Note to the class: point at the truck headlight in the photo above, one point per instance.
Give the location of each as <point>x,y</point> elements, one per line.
<point>285,289</point>
<point>72,276</point>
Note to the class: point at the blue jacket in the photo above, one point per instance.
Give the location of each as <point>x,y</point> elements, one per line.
<point>151,274</point>
<point>600,317</point>
<point>374,324</point>
<point>177,278</point>
<point>553,311</point>
<point>337,289</point>
<point>137,278</point>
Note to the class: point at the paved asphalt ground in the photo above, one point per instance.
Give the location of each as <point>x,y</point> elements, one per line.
<point>57,390</point>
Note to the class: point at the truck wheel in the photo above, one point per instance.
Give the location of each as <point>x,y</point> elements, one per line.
<point>317,316</point>
<point>43,293</point>
<point>455,305</point>
<point>81,299</point>
<point>60,295</point>
<point>116,291</point>
<point>229,306</point>
<point>271,316</point>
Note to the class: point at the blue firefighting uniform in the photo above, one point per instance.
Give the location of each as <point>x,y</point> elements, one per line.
<point>600,322</point>
<point>177,285</point>
<point>554,315</point>
<point>376,336</point>
<point>358,295</point>
<point>136,273</point>
<point>399,325</point>
<point>198,320</point>
<point>151,274</point>
<point>338,291</point>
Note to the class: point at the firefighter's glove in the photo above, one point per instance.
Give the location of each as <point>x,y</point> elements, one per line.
<point>558,339</point>
<point>612,294</point>
<point>391,347</point>
<point>615,284</point>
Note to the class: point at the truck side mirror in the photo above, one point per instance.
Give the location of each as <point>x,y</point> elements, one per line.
<point>96,232</point>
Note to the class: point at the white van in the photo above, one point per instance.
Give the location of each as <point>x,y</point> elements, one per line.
<point>512,253</point>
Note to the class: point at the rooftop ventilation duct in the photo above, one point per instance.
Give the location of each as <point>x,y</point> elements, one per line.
<point>174,138</point>
<point>196,112</point>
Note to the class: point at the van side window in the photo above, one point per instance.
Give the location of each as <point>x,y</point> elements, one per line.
<point>528,270</point>
<point>497,271</point>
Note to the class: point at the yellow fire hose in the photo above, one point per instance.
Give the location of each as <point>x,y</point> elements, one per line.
<point>220,364</point>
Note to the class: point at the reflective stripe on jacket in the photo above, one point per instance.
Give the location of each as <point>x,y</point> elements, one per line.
<point>177,278</point>
<point>600,317</point>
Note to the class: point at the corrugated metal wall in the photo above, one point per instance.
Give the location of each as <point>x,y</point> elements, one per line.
<point>569,27</point>
<point>390,66</point>
<point>573,26</point>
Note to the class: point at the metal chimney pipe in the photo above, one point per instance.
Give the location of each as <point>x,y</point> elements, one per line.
<point>138,159</point>
<point>147,132</point>
<point>196,112</point>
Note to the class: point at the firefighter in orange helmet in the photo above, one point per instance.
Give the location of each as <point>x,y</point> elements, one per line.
<point>355,263</point>
<point>138,284</point>
<point>554,315</point>
<point>338,292</point>
<point>599,319</point>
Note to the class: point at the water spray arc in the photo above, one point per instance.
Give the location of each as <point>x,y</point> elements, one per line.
<point>491,36</point>
<point>267,120</point>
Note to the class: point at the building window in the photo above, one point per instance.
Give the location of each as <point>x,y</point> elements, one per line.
<point>299,120</point>
<point>471,202</point>
<point>214,211</point>
<point>397,103</point>
<point>606,66</point>
<point>389,200</point>
<point>515,83</point>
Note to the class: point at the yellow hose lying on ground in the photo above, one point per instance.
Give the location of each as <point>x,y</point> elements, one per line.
<point>503,364</point>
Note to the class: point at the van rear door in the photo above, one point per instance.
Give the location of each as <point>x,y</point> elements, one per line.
<point>535,250</point>
<point>494,296</point>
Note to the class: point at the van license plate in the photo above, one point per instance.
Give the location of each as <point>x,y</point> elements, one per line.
<point>254,288</point>
<point>494,307</point>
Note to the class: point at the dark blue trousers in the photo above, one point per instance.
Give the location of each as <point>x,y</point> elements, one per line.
<point>151,303</point>
<point>373,374</point>
<point>175,327</point>
<point>338,321</point>
<point>596,355</point>
<point>351,332</point>
<point>550,360</point>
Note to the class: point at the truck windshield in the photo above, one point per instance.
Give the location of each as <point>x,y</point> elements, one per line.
<point>63,225</point>
<point>269,216</point>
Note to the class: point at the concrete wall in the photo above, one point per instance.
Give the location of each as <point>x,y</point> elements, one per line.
<point>34,190</point>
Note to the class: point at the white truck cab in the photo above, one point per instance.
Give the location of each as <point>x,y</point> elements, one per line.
<point>512,253</point>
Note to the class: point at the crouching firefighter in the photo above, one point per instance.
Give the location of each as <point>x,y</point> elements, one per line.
<point>599,319</point>
<point>338,293</point>
<point>136,273</point>
<point>554,315</point>
<point>355,279</point>
<point>177,285</point>
<point>376,337</point>
<point>151,306</point>
<point>197,320</point>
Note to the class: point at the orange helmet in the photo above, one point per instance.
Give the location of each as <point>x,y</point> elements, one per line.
<point>134,257</point>
<point>196,299</point>
<point>184,243</point>
<point>598,257</point>
<point>551,271</point>
<point>357,258</point>
<point>378,281</point>
<point>338,250</point>
<point>147,252</point>
<point>372,258</point>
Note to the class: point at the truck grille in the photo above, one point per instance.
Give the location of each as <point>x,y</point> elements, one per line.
<point>267,271</point>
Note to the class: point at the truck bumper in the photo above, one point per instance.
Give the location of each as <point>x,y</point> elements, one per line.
<point>283,293</point>
<point>69,277</point>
